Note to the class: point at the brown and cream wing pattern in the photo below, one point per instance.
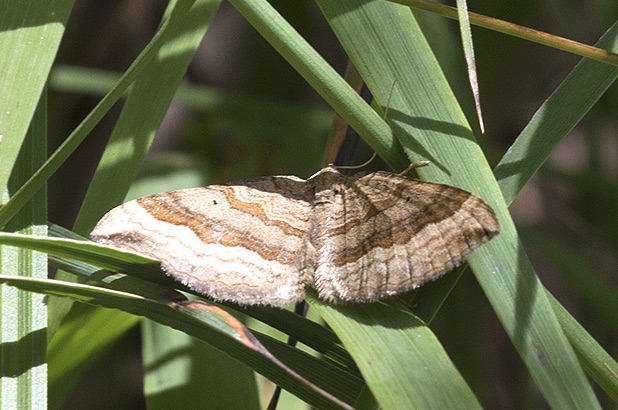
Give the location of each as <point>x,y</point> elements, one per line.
<point>242,242</point>
<point>382,234</point>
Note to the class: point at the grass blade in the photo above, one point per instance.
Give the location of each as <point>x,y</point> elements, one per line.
<point>555,118</point>
<point>23,315</point>
<point>39,178</point>
<point>30,33</point>
<point>381,40</point>
<point>218,328</point>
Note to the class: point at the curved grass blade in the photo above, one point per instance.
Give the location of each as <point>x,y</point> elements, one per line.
<point>163,62</point>
<point>148,280</point>
<point>216,327</point>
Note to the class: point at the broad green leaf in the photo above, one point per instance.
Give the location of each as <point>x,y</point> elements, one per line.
<point>30,33</point>
<point>381,39</point>
<point>287,42</point>
<point>164,63</point>
<point>149,281</point>
<point>567,105</point>
<point>302,329</point>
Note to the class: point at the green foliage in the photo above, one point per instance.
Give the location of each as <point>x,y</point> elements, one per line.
<point>378,355</point>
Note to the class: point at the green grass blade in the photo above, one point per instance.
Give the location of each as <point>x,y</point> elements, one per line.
<point>85,251</point>
<point>164,63</point>
<point>597,362</point>
<point>267,22</point>
<point>310,380</point>
<point>182,370</point>
<point>400,358</point>
<point>23,315</point>
<point>468,48</point>
<point>30,32</point>
<point>26,191</point>
<point>553,120</point>
<point>142,114</point>
<point>147,280</point>
<point>382,40</point>
<point>302,329</point>
<point>323,78</point>
<point>557,116</point>
<point>343,378</point>
<point>599,295</point>
<point>85,336</point>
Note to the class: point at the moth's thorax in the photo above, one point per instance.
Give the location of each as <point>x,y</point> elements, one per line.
<point>329,187</point>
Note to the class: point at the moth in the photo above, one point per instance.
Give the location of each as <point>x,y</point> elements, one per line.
<point>261,241</point>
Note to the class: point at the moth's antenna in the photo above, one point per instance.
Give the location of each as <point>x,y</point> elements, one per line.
<point>364,164</point>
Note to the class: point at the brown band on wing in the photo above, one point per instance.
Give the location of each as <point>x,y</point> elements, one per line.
<point>403,230</point>
<point>168,207</point>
